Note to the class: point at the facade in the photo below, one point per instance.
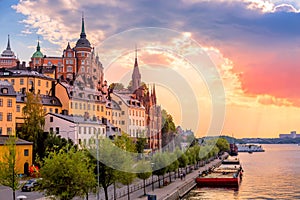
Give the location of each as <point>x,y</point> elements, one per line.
<point>132,114</point>
<point>8,58</point>
<point>7,108</point>
<point>23,153</point>
<point>81,130</point>
<point>291,135</point>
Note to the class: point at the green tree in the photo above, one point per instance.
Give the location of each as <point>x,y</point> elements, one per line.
<point>168,128</point>
<point>182,159</point>
<point>116,86</point>
<point>160,165</point>
<point>223,145</point>
<point>34,121</point>
<point>8,171</point>
<point>144,171</point>
<point>125,143</point>
<point>67,174</point>
<point>140,145</point>
<point>173,166</point>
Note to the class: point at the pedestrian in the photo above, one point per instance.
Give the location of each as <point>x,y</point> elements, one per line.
<point>181,175</point>
<point>184,175</point>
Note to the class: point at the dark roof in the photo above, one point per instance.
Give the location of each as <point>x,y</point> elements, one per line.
<point>83,42</point>
<point>4,138</point>
<point>22,73</point>
<point>46,100</point>
<point>6,89</point>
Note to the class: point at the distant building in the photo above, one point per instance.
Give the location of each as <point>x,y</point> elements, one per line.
<point>23,153</point>
<point>8,58</point>
<point>291,135</point>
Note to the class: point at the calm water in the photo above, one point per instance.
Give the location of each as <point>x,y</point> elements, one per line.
<point>273,174</point>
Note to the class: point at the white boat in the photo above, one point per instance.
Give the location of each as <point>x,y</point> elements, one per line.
<point>250,148</point>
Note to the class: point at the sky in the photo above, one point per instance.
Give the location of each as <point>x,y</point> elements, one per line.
<point>253,48</point>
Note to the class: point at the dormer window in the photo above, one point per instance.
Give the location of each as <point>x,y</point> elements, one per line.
<point>52,101</point>
<point>4,90</point>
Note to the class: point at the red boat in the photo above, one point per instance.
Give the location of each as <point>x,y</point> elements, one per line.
<point>220,178</point>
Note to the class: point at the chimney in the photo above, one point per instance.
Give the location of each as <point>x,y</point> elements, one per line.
<point>53,88</point>
<point>18,64</point>
<point>23,64</point>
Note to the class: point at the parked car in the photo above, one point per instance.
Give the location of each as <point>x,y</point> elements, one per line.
<point>30,185</point>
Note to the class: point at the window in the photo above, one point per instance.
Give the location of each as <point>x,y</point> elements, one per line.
<point>51,130</point>
<point>50,110</point>
<point>21,81</point>
<point>39,82</point>
<point>26,152</point>
<point>82,69</point>
<point>69,69</point>
<point>82,54</point>
<point>49,63</point>
<point>67,62</point>
<point>101,108</point>
<point>76,106</point>
<point>18,108</point>
<point>9,117</point>
<point>82,62</point>
<point>9,103</point>
<point>12,81</point>
<point>0,130</point>
<point>69,54</point>
<point>47,84</point>
<point>1,102</point>
<point>71,62</point>
<point>56,110</point>
<point>57,130</point>
<point>9,130</point>
<point>51,119</point>
<point>123,112</point>
<point>1,116</point>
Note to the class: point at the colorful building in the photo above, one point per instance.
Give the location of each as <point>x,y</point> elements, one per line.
<point>7,108</point>
<point>23,153</point>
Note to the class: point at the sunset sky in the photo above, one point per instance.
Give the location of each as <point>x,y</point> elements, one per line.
<point>253,44</point>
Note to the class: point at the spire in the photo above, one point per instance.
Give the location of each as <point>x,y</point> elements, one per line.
<point>154,94</point>
<point>82,35</point>
<point>8,44</point>
<point>136,62</point>
<point>38,48</point>
<point>68,47</point>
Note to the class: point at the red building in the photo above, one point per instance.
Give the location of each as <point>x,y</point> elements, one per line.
<point>8,58</point>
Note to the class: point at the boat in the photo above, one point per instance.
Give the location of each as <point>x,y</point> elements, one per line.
<point>250,148</point>
<point>233,149</point>
<point>228,174</point>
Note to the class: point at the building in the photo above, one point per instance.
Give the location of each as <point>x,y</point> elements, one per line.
<point>81,130</point>
<point>132,114</point>
<point>7,108</point>
<point>23,153</point>
<point>79,64</point>
<point>8,58</point>
<point>291,135</point>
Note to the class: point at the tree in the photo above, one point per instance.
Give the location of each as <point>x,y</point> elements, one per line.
<point>116,86</point>
<point>8,171</point>
<point>34,121</point>
<point>144,171</point>
<point>223,145</point>
<point>140,145</point>
<point>160,165</point>
<point>173,166</point>
<point>67,174</point>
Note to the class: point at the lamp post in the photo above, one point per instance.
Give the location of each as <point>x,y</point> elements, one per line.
<point>98,170</point>
<point>152,165</point>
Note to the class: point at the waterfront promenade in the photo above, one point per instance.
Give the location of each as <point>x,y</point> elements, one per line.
<point>167,192</point>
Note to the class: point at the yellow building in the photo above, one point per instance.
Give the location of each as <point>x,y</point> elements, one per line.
<point>25,80</point>
<point>23,153</point>
<point>7,108</point>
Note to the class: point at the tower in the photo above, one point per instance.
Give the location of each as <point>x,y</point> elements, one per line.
<point>136,75</point>
<point>8,58</point>
<point>37,57</point>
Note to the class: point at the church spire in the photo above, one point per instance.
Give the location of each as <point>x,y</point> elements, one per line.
<point>38,48</point>
<point>82,34</point>
<point>8,44</point>
<point>154,94</point>
<point>136,76</point>
<point>136,61</point>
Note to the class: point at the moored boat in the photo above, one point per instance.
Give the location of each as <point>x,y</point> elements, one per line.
<point>250,148</point>
<point>228,174</point>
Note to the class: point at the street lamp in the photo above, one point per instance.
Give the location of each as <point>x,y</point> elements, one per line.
<point>152,165</point>
<point>97,155</point>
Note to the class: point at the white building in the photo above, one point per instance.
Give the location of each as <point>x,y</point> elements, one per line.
<point>132,114</point>
<point>292,135</point>
<point>80,130</point>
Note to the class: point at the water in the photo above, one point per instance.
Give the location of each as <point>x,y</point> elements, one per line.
<point>273,174</point>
